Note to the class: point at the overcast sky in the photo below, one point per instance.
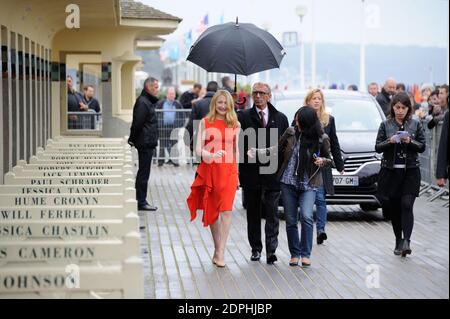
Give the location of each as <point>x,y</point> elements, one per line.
<point>401,22</point>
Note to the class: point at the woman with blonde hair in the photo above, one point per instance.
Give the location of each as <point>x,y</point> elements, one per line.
<point>214,187</point>
<point>315,99</point>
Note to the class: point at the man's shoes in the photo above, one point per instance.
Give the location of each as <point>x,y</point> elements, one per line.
<point>160,164</point>
<point>321,238</point>
<point>148,207</point>
<point>173,163</point>
<point>398,247</point>
<point>256,256</point>
<point>272,259</point>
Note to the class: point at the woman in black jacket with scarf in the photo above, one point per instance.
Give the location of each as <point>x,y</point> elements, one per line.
<point>400,139</point>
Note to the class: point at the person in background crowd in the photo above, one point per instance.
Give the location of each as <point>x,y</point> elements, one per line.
<point>333,86</point>
<point>433,104</point>
<point>201,96</point>
<point>227,84</point>
<point>385,96</point>
<point>200,110</point>
<point>169,119</point>
<point>215,185</point>
<point>73,104</point>
<point>315,99</point>
<point>144,136</point>
<point>416,106</point>
<point>400,88</point>
<point>89,102</point>
<point>442,158</point>
<point>373,89</point>
<point>439,111</point>
<point>352,87</point>
<point>400,138</point>
<point>425,92</point>
<point>190,97</point>
<point>433,101</point>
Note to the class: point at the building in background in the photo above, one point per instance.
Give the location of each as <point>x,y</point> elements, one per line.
<point>41,43</point>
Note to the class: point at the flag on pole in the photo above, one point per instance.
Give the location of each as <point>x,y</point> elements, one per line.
<point>203,24</point>
<point>417,94</point>
<point>188,39</point>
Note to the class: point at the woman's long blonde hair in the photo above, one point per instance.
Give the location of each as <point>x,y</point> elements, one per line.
<point>230,117</point>
<point>324,117</point>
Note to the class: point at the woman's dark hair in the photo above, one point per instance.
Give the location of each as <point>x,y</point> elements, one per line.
<point>311,131</point>
<point>403,98</point>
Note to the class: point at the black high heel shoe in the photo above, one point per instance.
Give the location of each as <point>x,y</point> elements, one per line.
<point>406,249</point>
<point>398,247</point>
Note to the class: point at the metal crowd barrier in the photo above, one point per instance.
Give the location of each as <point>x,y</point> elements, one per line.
<point>172,132</point>
<point>428,160</point>
<point>88,120</point>
<point>173,145</point>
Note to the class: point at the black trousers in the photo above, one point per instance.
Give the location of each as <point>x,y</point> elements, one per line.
<point>261,201</point>
<point>167,144</point>
<point>143,174</point>
<point>402,216</point>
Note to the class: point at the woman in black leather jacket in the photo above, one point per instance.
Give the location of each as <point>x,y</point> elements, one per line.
<point>400,139</point>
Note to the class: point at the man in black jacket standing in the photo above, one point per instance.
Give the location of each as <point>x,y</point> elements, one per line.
<point>384,98</point>
<point>261,189</point>
<point>188,98</point>
<point>144,136</point>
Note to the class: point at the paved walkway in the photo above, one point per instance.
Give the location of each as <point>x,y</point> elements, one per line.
<point>177,253</point>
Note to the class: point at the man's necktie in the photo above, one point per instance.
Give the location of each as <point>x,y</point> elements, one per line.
<point>263,121</point>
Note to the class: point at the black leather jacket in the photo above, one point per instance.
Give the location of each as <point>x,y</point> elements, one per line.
<point>144,128</point>
<point>417,145</point>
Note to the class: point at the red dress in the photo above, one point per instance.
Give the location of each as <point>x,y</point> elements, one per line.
<point>214,188</point>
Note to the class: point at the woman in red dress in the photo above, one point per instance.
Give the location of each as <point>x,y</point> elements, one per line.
<point>214,187</point>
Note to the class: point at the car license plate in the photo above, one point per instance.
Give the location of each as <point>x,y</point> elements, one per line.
<point>345,180</point>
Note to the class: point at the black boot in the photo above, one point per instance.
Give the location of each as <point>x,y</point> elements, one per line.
<point>406,249</point>
<point>398,247</point>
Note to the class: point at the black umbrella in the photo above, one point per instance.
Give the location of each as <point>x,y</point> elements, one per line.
<point>239,48</point>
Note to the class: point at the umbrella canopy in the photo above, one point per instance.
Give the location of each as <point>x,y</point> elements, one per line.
<point>239,48</point>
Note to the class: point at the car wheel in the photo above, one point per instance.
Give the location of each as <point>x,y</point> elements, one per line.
<point>369,207</point>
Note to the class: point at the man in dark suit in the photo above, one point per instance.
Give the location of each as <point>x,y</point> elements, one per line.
<point>261,188</point>
<point>144,136</point>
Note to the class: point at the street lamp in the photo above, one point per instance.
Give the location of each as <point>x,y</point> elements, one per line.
<point>301,11</point>
<point>362,50</point>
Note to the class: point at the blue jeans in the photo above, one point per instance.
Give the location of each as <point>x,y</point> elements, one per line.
<point>292,200</point>
<point>321,210</point>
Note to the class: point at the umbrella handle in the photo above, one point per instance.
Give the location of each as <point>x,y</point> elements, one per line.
<point>235,83</point>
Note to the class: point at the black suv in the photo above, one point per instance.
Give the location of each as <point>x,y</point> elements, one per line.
<point>358,117</point>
